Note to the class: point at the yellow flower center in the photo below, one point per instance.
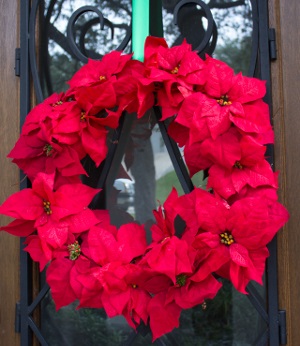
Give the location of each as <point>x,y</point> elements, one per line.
<point>82,116</point>
<point>238,165</point>
<point>134,286</point>
<point>57,103</point>
<point>175,70</point>
<point>47,207</point>
<point>226,238</point>
<point>74,250</point>
<point>224,101</point>
<point>102,78</point>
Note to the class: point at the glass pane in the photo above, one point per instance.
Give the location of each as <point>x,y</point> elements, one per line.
<point>144,174</point>
<point>229,319</point>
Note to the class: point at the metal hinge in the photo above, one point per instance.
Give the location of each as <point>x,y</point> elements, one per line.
<point>17,62</point>
<point>18,318</point>
<point>282,327</point>
<point>272,44</point>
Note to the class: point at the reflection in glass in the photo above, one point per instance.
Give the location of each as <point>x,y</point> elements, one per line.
<point>142,175</point>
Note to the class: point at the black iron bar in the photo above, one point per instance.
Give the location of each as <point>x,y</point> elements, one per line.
<point>175,155</point>
<point>38,298</point>
<point>272,260</point>
<point>37,332</point>
<point>257,302</point>
<point>32,51</point>
<point>255,39</point>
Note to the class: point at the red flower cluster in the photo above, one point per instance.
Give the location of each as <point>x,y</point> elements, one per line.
<point>223,124</point>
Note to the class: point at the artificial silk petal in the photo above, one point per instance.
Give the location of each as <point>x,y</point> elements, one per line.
<point>39,251</point>
<point>58,278</point>
<point>25,205</point>
<point>163,317</point>
<point>194,293</point>
<point>20,228</point>
<point>132,241</point>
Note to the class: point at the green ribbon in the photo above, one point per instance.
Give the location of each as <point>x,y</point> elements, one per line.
<point>140,27</point>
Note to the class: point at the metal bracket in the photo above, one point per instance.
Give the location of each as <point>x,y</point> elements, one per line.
<point>282,327</point>
<point>272,44</point>
<point>17,61</point>
<point>18,318</point>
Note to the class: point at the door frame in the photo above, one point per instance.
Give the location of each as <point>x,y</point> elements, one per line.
<point>10,178</point>
<point>285,77</point>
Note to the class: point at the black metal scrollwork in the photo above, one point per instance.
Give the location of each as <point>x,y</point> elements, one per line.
<point>208,43</point>
<point>103,22</point>
<point>71,25</point>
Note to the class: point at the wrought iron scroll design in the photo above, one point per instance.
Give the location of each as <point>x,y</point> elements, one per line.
<point>70,29</point>
<point>211,32</point>
<point>259,63</point>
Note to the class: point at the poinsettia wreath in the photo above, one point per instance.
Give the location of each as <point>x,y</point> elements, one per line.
<point>223,124</point>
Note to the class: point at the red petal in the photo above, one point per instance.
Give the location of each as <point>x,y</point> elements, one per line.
<point>72,198</point>
<point>19,228</point>
<point>24,204</point>
<point>58,278</point>
<point>103,245</point>
<point>82,221</point>
<point>171,257</point>
<point>54,233</point>
<point>132,241</point>
<point>163,317</point>
<point>194,293</point>
<point>95,147</point>
<point>38,252</point>
<point>239,254</point>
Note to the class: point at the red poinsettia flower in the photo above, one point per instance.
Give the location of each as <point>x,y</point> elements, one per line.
<point>125,292</point>
<point>168,254</point>
<point>224,150</point>
<point>89,119</point>
<point>201,127</point>
<point>116,246</point>
<point>43,111</point>
<point>238,96</point>
<point>41,203</point>
<point>132,96</point>
<point>234,161</point>
<point>172,72</point>
<point>189,291</point>
<point>236,243</point>
<point>50,209</point>
<point>99,71</point>
<point>37,152</point>
<point>177,63</point>
<point>225,99</point>
<point>42,252</point>
<point>114,251</point>
<point>171,257</point>
<point>250,168</point>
